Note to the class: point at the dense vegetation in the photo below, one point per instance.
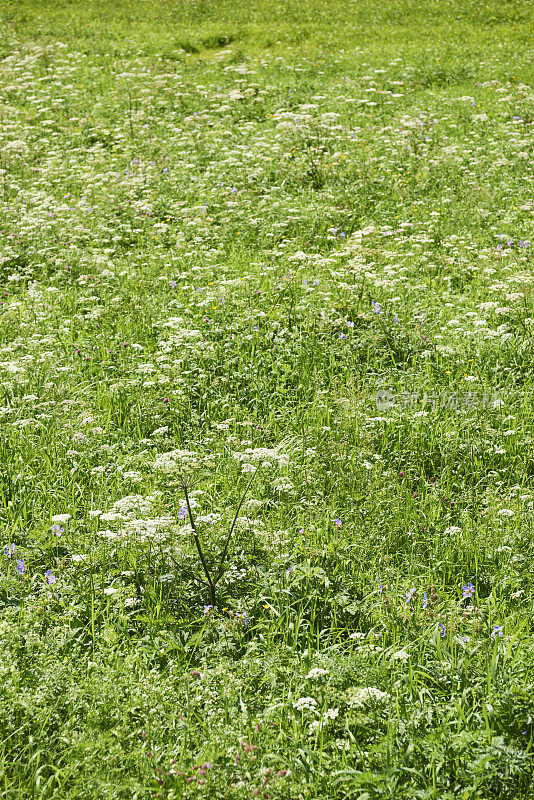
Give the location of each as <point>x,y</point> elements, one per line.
<point>266,270</point>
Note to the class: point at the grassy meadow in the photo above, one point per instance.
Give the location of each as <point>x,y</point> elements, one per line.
<point>266,399</point>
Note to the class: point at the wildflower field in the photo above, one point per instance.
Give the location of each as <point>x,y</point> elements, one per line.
<point>266,399</point>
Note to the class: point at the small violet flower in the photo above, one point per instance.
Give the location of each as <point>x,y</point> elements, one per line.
<point>410,595</point>
<point>497,631</point>
<point>20,566</point>
<point>468,591</point>
<point>49,578</point>
<point>9,549</point>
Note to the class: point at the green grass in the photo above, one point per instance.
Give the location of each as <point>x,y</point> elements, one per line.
<point>226,232</point>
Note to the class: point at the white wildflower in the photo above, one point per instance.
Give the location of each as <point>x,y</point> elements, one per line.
<point>111,516</point>
<point>400,655</point>
<point>452,529</point>
<point>316,672</point>
<point>305,704</point>
<point>357,697</point>
<point>175,460</point>
<point>160,431</point>
<point>131,506</point>
<point>132,475</point>
<point>282,485</point>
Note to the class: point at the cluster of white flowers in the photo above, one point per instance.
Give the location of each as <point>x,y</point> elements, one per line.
<point>131,506</point>
<point>452,529</point>
<point>305,704</point>
<point>175,460</point>
<point>264,456</point>
<point>246,523</point>
<point>357,697</point>
<point>326,719</point>
<point>282,485</point>
<point>156,529</point>
<point>317,672</point>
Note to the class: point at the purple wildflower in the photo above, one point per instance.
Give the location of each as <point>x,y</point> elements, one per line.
<point>497,631</point>
<point>468,591</point>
